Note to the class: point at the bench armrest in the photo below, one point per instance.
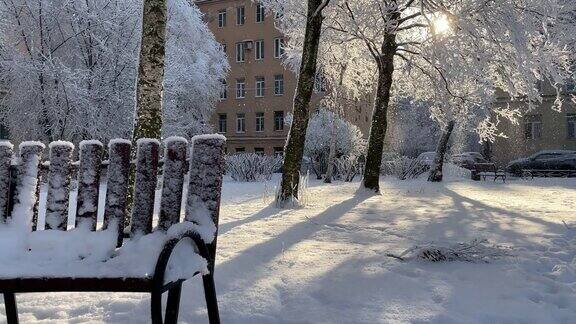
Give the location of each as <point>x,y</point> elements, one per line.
<point>169,245</point>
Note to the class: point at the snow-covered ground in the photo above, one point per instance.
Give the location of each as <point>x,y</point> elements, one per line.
<point>327,263</point>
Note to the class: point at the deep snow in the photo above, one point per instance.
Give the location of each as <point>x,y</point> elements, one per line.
<point>326,263</point>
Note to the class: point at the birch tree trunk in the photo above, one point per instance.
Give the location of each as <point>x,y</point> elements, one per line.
<point>385,64</point>
<point>332,153</point>
<point>436,168</point>
<point>297,136</point>
<point>148,123</point>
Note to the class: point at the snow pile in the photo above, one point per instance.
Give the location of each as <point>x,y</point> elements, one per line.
<point>81,253</point>
<point>475,251</point>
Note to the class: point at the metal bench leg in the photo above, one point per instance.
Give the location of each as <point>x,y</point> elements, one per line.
<point>156,307</point>
<point>11,310</point>
<point>211,301</point>
<point>173,305</point>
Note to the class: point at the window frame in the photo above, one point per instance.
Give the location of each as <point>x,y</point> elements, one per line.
<point>279,84</point>
<point>260,122</point>
<point>533,127</point>
<point>260,87</point>
<point>259,50</point>
<point>278,47</point>
<point>222,18</point>
<point>240,123</point>
<point>260,13</point>
<point>240,16</point>
<point>240,52</point>
<point>240,88</point>
<point>279,124</point>
<point>220,124</point>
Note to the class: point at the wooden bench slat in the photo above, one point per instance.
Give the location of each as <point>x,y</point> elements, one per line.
<point>173,182</point>
<point>6,152</point>
<point>118,175</point>
<point>205,183</point>
<point>145,186</point>
<point>88,183</point>
<point>27,184</point>
<point>59,185</point>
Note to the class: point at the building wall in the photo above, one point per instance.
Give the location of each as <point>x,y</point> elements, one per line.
<point>269,140</point>
<point>554,132</point>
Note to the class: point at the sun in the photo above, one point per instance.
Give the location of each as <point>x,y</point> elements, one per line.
<point>441,25</point>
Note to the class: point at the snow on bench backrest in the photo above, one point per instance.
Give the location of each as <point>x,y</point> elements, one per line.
<point>203,200</point>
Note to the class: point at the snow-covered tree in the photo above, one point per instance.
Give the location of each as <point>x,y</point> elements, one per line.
<point>451,53</point>
<point>70,68</point>
<point>348,139</point>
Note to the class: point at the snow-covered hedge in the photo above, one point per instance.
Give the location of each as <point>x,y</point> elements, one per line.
<point>404,167</point>
<point>251,167</point>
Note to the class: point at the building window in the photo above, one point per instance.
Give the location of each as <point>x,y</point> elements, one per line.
<point>222,123</point>
<point>278,120</point>
<point>260,13</point>
<point>240,50</point>
<point>240,16</point>
<point>278,47</point>
<point>240,149</point>
<point>278,85</point>
<point>278,151</point>
<point>240,123</point>
<point>259,121</point>
<point>259,49</point>
<point>224,90</point>
<point>240,88</point>
<point>259,150</point>
<point>222,18</point>
<point>260,85</point>
<point>571,120</point>
<point>533,126</point>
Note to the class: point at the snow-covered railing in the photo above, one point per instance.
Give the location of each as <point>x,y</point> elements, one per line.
<point>103,269</point>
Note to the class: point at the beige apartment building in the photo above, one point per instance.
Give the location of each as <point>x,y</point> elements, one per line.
<point>259,90</point>
<point>537,130</point>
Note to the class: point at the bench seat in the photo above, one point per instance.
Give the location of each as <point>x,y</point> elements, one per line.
<point>81,253</point>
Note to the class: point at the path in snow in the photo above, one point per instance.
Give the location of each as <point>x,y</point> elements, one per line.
<point>325,263</point>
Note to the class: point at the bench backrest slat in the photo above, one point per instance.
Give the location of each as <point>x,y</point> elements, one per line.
<point>205,183</point>
<point>173,182</point>
<point>117,186</point>
<point>27,184</point>
<point>58,185</point>
<point>144,186</point>
<point>88,183</point>
<point>6,151</point>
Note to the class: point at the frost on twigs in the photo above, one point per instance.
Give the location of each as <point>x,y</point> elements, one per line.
<point>118,175</point>
<point>5,161</point>
<point>88,183</point>
<point>25,211</point>
<point>252,167</point>
<point>59,185</point>
<point>173,181</point>
<point>475,251</point>
<point>205,184</point>
<point>145,186</point>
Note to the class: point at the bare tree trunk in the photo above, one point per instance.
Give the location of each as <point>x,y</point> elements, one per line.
<point>385,64</point>
<point>436,168</point>
<point>148,122</point>
<point>332,153</point>
<point>297,136</point>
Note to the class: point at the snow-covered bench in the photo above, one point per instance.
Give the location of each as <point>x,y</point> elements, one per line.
<point>485,170</point>
<point>74,250</point>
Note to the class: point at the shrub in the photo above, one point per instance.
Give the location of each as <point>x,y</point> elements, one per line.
<point>404,167</point>
<point>251,167</point>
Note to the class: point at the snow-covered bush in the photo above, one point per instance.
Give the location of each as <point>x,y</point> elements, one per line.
<point>346,168</point>
<point>404,167</point>
<point>451,170</point>
<point>251,167</point>
<point>348,139</point>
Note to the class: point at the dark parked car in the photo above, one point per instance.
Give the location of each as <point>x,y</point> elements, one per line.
<point>544,160</point>
<point>467,160</point>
